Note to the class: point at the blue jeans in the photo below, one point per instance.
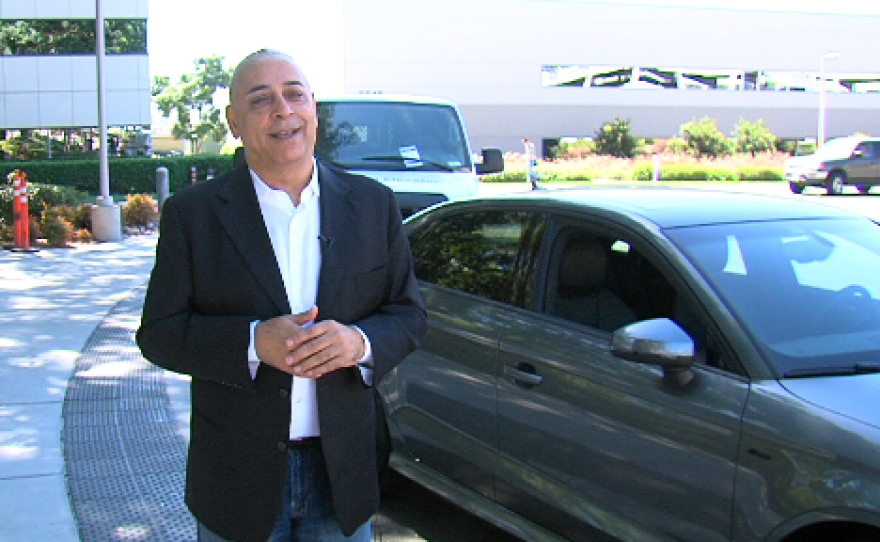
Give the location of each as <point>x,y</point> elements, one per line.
<point>307,513</point>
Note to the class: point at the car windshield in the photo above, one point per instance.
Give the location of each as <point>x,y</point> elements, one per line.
<point>805,290</point>
<point>394,136</point>
<point>836,148</point>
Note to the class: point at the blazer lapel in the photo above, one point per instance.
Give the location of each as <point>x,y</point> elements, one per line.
<point>337,212</point>
<point>239,212</point>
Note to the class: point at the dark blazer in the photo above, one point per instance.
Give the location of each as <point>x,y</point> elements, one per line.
<point>216,272</point>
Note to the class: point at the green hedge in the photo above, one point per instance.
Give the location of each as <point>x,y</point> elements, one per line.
<point>127,175</point>
<point>644,171</point>
<point>760,173</point>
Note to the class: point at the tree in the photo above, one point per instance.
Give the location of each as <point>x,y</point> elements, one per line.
<point>614,138</point>
<point>753,137</point>
<point>192,99</point>
<point>704,139</point>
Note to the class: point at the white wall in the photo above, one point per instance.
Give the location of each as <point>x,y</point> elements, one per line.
<point>49,91</point>
<point>487,55</point>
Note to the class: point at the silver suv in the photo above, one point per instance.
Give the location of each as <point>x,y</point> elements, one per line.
<point>853,161</point>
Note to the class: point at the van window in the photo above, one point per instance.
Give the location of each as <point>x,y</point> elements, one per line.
<point>391,136</point>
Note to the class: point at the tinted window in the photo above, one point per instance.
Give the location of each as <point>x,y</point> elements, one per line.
<point>491,254</point>
<point>867,149</point>
<point>604,282</point>
<point>391,136</point>
<point>807,290</point>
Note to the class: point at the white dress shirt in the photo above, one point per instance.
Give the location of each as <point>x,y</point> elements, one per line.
<point>295,234</point>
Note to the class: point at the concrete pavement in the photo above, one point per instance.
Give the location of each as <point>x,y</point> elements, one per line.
<point>52,301</point>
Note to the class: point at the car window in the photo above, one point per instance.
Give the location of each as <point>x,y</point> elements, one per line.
<point>491,254</point>
<point>866,148</point>
<point>807,290</point>
<point>604,282</point>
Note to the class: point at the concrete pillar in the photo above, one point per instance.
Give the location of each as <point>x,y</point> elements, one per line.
<point>106,220</point>
<point>162,185</point>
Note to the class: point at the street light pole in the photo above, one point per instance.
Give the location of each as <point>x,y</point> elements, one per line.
<point>106,217</point>
<point>820,140</point>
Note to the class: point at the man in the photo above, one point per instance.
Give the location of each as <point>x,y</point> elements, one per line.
<point>285,289</point>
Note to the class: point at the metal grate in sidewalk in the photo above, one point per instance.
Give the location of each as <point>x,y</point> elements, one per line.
<point>124,461</point>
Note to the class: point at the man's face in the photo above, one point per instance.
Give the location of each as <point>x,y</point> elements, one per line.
<point>274,113</point>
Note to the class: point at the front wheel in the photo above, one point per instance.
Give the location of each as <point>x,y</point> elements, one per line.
<point>796,188</point>
<point>834,184</point>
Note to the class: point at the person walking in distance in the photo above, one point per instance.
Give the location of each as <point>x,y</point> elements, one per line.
<point>285,288</point>
<point>532,159</point>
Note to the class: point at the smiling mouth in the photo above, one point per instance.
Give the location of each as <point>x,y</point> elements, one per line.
<point>286,134</point>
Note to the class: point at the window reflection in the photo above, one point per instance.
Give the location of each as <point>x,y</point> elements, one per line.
<point>640,77</point>
<point>491,254</point>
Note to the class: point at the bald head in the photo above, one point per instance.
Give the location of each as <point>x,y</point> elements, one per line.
<point>272,110</point>
<point>252,59</point>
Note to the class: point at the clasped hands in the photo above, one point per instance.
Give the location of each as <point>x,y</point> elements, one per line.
<point>298,345</point>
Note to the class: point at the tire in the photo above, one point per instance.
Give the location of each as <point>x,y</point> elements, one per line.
<point>796,188</point>
<point>835,183</point>
<point>863,189</point>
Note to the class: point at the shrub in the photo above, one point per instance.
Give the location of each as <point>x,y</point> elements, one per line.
<point>40,198</point>
<point>677,145</point>
<point>82,217</point>
<point>139,210</point>
<point>643,171</point>
<point>754,137</point>
<point>573,149</point>
<point>614,138</point>
<point>56,229</point>
<point>704,139</point>
<point>81,235</point>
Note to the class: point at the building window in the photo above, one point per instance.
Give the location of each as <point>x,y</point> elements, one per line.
<point>71,37</point>
<point>631,77</point>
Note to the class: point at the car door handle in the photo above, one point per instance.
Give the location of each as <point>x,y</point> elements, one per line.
<point>523,374</point>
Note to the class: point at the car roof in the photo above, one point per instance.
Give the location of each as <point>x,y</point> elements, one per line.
<point>383,98</point>
<point>854,139</point>
<point>669,207</point>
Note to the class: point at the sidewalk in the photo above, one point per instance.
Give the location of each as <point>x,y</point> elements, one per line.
<point>52,301</point>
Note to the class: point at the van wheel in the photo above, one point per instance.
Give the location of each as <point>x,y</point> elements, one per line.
<point>834,184</point>
<point>796,188</point>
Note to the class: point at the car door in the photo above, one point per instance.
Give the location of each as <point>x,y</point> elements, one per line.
<point>589,441</point>
<point>862,164</point>
<point>875,164</point>
<point>444,394</point>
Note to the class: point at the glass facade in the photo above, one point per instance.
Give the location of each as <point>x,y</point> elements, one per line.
<point>71,37</point>
<point>631,77</point>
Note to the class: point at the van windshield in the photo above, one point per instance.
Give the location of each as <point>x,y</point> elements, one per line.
<point>393,136</point>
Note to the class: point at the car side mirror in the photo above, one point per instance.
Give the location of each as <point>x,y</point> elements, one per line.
<point>659,341</point>
<point>858,154</point>
<point>493,162</point>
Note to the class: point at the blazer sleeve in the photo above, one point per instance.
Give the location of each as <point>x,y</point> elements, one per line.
<point>400,323</point>
<point>174,334</point>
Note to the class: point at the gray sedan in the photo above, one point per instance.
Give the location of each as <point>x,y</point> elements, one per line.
<point>646,364</point>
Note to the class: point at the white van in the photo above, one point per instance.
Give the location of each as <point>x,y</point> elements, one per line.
<point>417,146</point>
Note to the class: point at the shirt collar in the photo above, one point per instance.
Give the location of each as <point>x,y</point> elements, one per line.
<point>266,192</point>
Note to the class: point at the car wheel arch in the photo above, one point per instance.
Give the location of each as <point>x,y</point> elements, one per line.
<point>836,181</point>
